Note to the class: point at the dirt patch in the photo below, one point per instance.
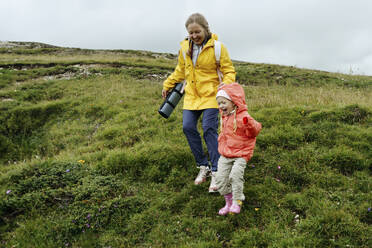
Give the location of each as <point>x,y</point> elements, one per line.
<point>7,100</point>
<point>157,76</point>
<point>82,71</point>
<point>19,44</point>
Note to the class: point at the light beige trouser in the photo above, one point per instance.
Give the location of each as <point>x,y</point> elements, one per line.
<point>230,177</point>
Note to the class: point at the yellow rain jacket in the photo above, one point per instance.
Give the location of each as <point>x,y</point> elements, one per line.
<point>202,79</point>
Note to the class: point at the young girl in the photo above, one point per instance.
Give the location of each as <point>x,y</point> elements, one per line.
<point>197,65</point>
<point>235,144</point>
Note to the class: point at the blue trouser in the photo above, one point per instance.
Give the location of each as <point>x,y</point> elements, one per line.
<point>210,127</point>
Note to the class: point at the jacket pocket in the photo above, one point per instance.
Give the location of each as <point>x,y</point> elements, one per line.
<point>207,89</point>
<point>237,142</point>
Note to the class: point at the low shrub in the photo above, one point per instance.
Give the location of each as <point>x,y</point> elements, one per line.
<point>24,120</point>
<point>335,228</point>
<point>351,115</point>
<point>285,136</point>
<point>343,158</point>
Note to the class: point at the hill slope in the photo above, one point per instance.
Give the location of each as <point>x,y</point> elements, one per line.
<point>86,160</point>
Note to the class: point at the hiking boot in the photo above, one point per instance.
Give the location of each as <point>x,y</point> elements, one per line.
<point>235,207</point>
<point>226,209</point>
<point>213,186</point>
<point>202,175</point>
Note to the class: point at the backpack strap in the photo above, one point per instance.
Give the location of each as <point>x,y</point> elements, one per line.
<point>184,55</point>
<point>184,81</point>
<point>217,51</point>
<point>217,54</point>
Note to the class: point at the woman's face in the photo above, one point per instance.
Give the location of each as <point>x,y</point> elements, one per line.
<point>196,33</point>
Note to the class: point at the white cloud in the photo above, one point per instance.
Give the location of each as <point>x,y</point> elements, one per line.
<point>327,35</point>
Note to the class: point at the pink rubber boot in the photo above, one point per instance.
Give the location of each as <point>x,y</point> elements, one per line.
<point>226,209</point>
<point>235,207</point>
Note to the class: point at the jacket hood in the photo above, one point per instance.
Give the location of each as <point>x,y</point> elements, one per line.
<point>210,42</point>
<point>214,36</point>
<point>236,93</point>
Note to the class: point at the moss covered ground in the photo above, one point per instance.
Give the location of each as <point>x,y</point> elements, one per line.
<point>86,160</point>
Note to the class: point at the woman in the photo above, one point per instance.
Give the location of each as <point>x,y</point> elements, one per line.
<point>197,65</point>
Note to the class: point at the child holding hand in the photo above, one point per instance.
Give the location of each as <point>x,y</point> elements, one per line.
<point>236,143</point>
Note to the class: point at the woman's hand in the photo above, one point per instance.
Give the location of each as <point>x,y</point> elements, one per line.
<point>220,85</point>
<point>164,93</point>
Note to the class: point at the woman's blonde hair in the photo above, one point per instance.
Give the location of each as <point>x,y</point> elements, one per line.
<point>199,19</point>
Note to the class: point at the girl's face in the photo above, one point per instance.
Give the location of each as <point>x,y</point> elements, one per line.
<point>196,33</point>
<point>225,105</point>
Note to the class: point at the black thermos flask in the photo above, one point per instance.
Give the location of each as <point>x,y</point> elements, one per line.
<point>171,101</point>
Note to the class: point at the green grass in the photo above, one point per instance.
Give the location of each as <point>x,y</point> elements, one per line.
<point>86,160</point>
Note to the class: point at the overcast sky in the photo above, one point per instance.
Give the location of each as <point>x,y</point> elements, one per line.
<point>330,35</point>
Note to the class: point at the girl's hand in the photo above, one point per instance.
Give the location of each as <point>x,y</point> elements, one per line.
<point>164,93</point>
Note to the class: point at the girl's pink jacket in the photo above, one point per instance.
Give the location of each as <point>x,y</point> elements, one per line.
<point>238,130</point>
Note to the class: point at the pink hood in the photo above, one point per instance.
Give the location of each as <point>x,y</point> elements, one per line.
<point>236,93</point>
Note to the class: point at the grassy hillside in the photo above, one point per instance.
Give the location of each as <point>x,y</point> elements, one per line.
<point>86,160</point>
